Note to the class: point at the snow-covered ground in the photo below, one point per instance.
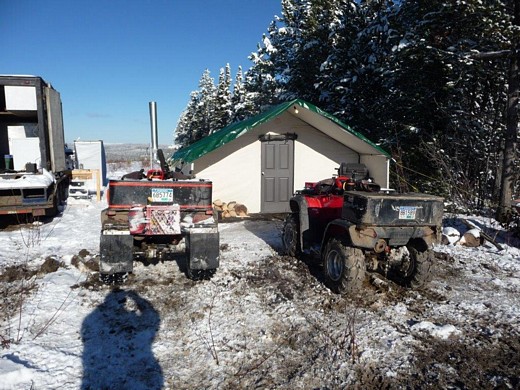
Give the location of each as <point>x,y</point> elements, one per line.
<point>263,321</point>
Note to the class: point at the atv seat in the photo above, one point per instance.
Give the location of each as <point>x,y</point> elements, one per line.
<point>354,171</point>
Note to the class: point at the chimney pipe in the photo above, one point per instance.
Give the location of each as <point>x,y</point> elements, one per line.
<point>153,124</point>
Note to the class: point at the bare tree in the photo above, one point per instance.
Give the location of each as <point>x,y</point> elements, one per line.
<point>508,173</point>
<point>504,209</point>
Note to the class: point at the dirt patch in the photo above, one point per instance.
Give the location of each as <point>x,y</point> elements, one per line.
<point>50,265</point>
<point>16,284</point>
<point>268,321</point>
<point>85,261</point>
<point>480,361</point>
<point>15,273</point>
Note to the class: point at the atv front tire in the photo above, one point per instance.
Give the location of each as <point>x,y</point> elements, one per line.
<point>344,267</point>
<point>291,235</point>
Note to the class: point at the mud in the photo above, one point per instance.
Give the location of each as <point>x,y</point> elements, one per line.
<point>272,323</point>
<point>320,339</point>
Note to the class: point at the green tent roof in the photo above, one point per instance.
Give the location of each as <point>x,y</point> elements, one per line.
<point>308,114</point>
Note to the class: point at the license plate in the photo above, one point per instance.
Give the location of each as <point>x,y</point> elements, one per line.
<point>162,195</point>
<point>407,212</point>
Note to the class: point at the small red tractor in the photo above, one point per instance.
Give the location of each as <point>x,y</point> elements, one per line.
<point>153,215</point>
<point>355,227</point>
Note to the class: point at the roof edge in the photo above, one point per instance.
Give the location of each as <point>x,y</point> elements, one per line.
<point>229,133</point>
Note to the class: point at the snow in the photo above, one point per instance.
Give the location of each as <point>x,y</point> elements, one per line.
<point>264,320</point>
<point>440,331</point>
<point>28,180</point>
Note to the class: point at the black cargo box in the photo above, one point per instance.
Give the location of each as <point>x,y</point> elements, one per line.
<point>188,194</point>
<point>410,209</point>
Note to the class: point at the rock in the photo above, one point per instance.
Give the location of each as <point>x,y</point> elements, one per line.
<point>49,265</point>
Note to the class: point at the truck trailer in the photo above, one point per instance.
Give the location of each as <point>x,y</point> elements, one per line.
<point>34,163</point>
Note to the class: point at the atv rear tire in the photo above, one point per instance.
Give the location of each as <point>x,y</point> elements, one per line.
<point>291,235</point>
<point>416,270</point>
<point>344,267</point>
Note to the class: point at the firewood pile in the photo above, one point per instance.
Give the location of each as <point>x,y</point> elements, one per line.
<point>229,210</point>
<point>473,237</point>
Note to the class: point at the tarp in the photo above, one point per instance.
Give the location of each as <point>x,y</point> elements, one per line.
<point>235,130</point>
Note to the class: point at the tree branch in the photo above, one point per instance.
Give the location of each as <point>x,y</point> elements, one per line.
<point>491,55</point>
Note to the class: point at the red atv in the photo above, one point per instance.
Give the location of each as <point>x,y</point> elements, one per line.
<point>353,227</point>
<point>155,215</point>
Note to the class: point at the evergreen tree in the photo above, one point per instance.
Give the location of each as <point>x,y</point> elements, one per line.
<point>185,125</point>
<point>238,100</point>
<point>206,108</point>
<point>223,105</point>
<point>261,84</point>
<point>291,55</point>
<point>198,119</point>
<point>423,79</point>
<point>448,99</point>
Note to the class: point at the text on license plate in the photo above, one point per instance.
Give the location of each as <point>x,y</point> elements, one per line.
<point>407,212</point>
<point>162,195</point>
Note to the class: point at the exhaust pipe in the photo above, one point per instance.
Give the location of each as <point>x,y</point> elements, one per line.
<point>153,125</point>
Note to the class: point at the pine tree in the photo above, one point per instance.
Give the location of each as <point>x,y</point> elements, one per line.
<point>223,105</point>
<point>447,98</point>
<point>184,132</point>
<point>339,70</point>
<point>206,107</point>
<point>261,84</point>
<point>198,119</point>
<point>238,100</point>
<point>423,79</point>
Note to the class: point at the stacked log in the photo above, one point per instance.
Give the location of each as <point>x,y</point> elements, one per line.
<point>229,210</point>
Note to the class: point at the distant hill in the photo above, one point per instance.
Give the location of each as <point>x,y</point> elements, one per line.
<point>131,152</point>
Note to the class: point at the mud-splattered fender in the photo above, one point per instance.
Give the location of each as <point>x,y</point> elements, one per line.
<point>203,248</point>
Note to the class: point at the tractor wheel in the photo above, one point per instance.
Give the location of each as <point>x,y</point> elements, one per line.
<point>344,267</point>
<point>415,269</point>
<point>291,235</point>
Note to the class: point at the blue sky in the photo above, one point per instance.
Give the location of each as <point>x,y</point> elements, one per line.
<point>109,58</point>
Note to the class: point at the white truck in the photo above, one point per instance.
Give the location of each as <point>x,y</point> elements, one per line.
<point>34,164</point>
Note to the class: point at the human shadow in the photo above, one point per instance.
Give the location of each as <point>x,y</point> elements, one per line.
<point>117,344</point>
<point>268,230</point>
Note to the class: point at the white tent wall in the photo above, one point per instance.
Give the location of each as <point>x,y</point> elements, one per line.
<point>317,156</point>
<point>378,168</point>
<point>91,155</point>
<point>235,168</point>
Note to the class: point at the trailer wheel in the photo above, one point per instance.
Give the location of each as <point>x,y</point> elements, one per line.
<point>344,267</point>
<point>291,235</point>
<point>416,268</point>
<point>54,210</point>
<point>115,257</point>
<point>113,279</point>
<point>200,274</point>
